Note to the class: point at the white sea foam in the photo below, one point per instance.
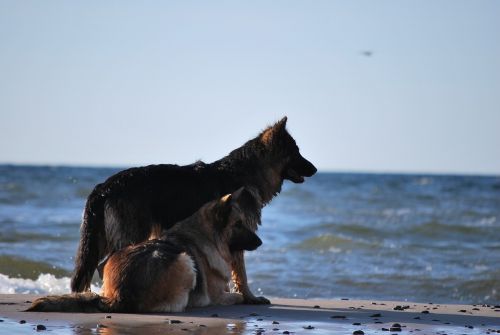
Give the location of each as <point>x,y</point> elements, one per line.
<point>44,284</point>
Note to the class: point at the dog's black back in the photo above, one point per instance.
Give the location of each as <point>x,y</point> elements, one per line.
<point>135,203</point>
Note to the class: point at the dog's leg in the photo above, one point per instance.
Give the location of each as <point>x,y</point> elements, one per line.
<point>231,299</point>
<point>239,275</point>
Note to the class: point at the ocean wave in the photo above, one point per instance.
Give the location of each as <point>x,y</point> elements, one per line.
<point>436,229</point>
<point>333,243</point>
<point>21,267</point>
<point>46,283</point>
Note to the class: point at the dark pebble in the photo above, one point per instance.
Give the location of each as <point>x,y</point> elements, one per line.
<point>316,306</point>
<point>358,332</point>
<point>356,324</point>
<point>254,314</point>
<point>22,321</point>
<point>470,327</point>
<point>275,329</point>
<point>476,309</point>
<point>276,323</point>
<point>337,317</point>
<point>396,325</point>
<point>1,320</point>
<point>202,326</point>
<point>435,320</point>
<point>378,322</point>
<point>286,332</point>
<point>425,312</point>
<point>417,318</point>
<point>260,319</point>
<point>385,329</point>
<point>378,315</point>
<point>344,299</point>
<point>175,321</point>
<point>400,308</point>
<point>308,327</point>
<point>215,315</point>
<point>463,311</point>
<point>41,327</point>
<point>28,302</point>
<point>108,316</point>
<point>395,329</point>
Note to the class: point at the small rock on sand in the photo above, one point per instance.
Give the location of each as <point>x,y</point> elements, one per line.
<point>175,321</point>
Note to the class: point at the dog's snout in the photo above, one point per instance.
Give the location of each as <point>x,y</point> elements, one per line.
<point>308,168</point>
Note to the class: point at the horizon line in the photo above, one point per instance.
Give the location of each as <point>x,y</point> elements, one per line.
<point>320,170</point>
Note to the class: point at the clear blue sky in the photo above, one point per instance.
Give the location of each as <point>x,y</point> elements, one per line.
<point>138,82</point>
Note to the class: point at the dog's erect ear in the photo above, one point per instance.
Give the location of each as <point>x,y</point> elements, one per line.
<point>245,200</point>
<point>222,210</point>
<point>282,123</point>
<point>275,130</point>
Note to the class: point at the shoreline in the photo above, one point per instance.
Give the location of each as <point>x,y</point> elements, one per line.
<point>295,316</point>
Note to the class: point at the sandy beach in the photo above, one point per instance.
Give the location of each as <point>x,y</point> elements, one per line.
<point>283,316</point>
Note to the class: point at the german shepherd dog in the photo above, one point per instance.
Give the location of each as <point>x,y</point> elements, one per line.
<point>139,203</point>
<point>189,265</point>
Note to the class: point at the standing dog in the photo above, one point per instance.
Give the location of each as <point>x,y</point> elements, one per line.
<point>189,265</point>
<point>139,203</point>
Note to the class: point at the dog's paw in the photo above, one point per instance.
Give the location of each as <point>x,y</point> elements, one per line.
<point>257,301</point>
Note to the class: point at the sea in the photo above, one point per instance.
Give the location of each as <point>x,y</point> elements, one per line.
<point>404,237</point>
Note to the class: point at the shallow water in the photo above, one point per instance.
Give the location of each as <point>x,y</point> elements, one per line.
<point>365,236</point>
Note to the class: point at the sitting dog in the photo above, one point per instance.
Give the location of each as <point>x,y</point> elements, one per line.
<point>189,265</point>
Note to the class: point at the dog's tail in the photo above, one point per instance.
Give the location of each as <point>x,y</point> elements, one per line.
<point>92,241</point>
<point>86,302</point>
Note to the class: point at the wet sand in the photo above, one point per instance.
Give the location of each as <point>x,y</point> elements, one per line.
<point>284,316</point>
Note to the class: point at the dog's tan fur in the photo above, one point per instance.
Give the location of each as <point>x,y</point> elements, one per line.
<point>190,265</point>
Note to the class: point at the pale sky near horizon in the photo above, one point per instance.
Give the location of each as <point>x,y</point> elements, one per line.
<point>124,83</point>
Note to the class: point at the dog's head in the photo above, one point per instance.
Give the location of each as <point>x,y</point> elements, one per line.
<point>234,218</point>
<point>282,148</point>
